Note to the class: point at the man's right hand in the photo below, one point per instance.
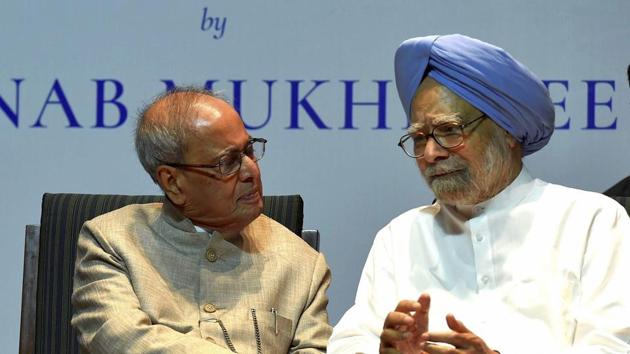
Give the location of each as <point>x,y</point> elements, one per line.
<point>404,327</point>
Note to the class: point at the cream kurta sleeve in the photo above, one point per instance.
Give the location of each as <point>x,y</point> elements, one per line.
<point>107,313</point>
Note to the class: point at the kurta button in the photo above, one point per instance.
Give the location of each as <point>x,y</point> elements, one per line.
<point>211,255</point>
<point>209,308</point>
<point>479,237</point>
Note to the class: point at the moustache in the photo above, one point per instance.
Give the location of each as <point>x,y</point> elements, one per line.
<point>445,166</point>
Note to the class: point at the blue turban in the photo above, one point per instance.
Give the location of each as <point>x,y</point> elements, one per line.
<point>485,76</point>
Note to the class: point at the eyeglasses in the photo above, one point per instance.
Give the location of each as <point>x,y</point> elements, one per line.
<point>230,163</point>
<point>447,135</point>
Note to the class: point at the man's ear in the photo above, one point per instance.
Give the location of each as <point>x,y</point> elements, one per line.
<point>511,140</point>
<point>514,145</point>
<point>169,180</point>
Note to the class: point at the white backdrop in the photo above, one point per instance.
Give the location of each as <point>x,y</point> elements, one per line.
<point>55,56</point>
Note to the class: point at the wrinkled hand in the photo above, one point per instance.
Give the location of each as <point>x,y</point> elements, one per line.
<point>460,341</point>
<point>404,328</point>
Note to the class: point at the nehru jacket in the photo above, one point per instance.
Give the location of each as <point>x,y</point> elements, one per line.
<point>147,282</point>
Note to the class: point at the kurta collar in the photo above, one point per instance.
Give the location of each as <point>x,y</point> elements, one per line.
<point>178,231</point>
<point>174,218</point>
<point>181,233</point>
<point>513,194</point>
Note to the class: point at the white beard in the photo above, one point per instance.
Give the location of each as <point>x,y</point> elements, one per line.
<point>472,183</point>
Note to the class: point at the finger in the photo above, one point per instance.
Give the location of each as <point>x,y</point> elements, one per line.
<point>436,348</point>
<point>407,306</point>
<point>388,342</point>
<point>422,315</point>
<point>467,336</point>
<point>458,340</point>
<point>425,302</point>
<point>456,325</point>
<point>390,336</point>
<point>398,319</point>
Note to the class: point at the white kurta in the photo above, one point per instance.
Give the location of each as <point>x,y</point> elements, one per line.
<point>539,268</point>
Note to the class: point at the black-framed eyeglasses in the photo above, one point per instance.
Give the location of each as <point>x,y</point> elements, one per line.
<point>230,163</point>
<point>447,135</point>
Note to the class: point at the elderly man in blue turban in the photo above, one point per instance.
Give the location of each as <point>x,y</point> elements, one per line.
<point>501,262</point>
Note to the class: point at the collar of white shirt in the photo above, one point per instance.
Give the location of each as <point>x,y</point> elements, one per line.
<point>513,194</point>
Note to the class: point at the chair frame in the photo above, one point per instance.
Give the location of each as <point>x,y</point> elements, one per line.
<point>29,290</point>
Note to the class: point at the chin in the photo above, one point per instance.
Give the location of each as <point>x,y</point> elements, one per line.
<point>248,217</point>
<point>252,208</point>
<point>453,195</point>
<point>257,210</point>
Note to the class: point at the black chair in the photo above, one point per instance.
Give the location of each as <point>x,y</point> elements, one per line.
<point>620,189</point>
<point>625,201</point>
<point>50,251</point>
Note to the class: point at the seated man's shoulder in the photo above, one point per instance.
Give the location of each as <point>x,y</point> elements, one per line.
<point>122,230</point>
<point>276,238</point>
<point>133,214</point>
<point>580,198</point>
<point>406,218</point>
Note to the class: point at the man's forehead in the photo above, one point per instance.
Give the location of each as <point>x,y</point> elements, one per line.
<point>207,109</point>
<point>219,126</point>
<point>211,107</point>
<point>431,93</point>
<point>434,104</point>
<point>211,112</point>
<point>428,120</point>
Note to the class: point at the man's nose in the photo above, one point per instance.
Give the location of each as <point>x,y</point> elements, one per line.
<point>433,151</point>
<point>249,168</point>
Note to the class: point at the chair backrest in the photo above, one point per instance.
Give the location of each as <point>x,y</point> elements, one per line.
<point>46,307</point>
<point>625,201</point>
<point>620,189</point>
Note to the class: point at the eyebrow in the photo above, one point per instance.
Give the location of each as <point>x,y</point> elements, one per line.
<point>415,128</point>
<point>438,120</point>
<point>233,148</point>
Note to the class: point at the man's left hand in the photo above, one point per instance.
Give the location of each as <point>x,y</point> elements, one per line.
<point>460,340</point>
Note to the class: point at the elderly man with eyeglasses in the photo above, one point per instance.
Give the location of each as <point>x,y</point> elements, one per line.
<point>205,271</point>
<point>501,262</point>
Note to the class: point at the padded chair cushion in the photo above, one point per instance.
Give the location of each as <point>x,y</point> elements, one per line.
<point>62,218</point>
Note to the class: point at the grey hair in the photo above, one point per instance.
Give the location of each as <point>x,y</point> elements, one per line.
<point>164,127</point>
